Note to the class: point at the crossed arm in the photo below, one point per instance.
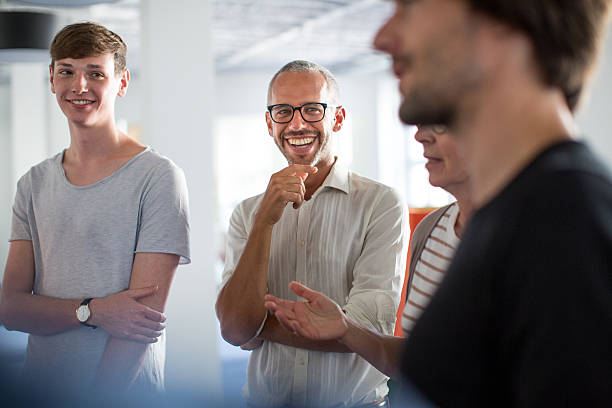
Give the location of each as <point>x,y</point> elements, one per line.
<point>120,315</point>
<point>122,357</point>
<point>133,317</point>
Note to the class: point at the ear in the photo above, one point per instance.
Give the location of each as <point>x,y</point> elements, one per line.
<point>339,118</point>
<point>269,123</point>
<point>51,78</point>
<point>125,80</point>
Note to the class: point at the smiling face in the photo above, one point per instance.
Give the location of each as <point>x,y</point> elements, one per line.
<point>304,142</point>
<point>86,89</point>
<point>431,44</point>
<point>445,163</point>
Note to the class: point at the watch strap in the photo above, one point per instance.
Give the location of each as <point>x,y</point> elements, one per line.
<point>85,302</point>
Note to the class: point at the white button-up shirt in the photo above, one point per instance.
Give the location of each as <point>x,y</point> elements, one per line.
<point>349,241</point>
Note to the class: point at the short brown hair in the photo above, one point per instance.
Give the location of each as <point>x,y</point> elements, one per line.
<point>88,40</point>
<point>565,35</point>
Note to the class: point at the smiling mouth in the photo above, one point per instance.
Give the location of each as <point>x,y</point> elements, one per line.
<point>301,142</point>
<point>81,101</point>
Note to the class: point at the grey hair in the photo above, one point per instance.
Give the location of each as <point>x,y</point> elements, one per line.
<point>307,66</point>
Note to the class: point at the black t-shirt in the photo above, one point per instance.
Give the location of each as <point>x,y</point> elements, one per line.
<point>523,317</point>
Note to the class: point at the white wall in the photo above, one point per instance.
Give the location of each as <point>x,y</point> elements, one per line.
<point>6,181</point>
<point>595,114</point>
<point>177,113</point>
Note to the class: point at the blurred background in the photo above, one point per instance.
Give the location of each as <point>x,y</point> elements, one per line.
<point>199,77</point>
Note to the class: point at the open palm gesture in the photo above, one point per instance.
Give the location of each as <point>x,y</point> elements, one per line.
<point>319,318</point>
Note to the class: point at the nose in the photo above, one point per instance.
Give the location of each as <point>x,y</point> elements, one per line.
<point>79,84</point>
<point>425,135</point>
<point>297,122</point>
<point>383,40</point>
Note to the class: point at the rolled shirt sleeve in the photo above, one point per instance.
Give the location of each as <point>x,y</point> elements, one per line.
<point>374,297</point>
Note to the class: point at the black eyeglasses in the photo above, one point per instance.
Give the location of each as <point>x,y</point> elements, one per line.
<point>311,112</point>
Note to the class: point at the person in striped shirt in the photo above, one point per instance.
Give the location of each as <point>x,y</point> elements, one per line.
<point>435,239</point>
<point>432,247</point>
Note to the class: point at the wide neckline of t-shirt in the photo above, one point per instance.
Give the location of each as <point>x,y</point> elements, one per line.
<point>101,181</point>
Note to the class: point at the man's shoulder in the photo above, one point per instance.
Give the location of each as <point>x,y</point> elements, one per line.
<point>359,184</point>
<point>151,159</point>
<point>42,170</point>
<point>565,164</point>
<point>248,206</point>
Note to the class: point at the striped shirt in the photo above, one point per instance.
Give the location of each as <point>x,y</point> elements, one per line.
<point>348,241</point>
<point>431,266</point>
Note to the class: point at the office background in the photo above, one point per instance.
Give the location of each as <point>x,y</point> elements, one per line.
<point>200,71</point>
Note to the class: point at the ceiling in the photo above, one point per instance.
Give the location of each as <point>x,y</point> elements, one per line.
<point>257,34</point>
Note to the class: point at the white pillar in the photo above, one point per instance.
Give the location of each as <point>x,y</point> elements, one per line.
<point>6,173</point>
<point>28,117</point>
<point>177,82</point>
<point>23,134</point>
<point>359,95</point>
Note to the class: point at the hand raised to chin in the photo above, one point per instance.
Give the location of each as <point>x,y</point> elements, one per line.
<point>285,186</point>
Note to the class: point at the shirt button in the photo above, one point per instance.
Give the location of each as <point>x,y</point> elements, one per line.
<point>302,243</point>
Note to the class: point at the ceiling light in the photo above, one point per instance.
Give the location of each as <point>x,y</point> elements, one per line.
<point>26,36</point>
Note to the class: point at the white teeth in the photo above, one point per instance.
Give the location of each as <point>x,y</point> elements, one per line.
<point>80,101</point>
<point>300,142</point>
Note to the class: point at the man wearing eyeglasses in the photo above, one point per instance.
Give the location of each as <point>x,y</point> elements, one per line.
<point>320,224</point>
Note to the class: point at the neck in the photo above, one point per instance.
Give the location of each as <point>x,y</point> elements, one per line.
<point>313,182</point>
<point>91,143</point>
<point>500,136</point>
<point>462,193</point>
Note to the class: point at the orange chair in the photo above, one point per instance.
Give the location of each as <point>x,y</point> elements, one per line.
<point>415,216</point>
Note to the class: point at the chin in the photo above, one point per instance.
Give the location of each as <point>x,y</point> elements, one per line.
<point>424,110</point>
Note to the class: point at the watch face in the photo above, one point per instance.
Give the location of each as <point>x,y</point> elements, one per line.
<point>83,313</point>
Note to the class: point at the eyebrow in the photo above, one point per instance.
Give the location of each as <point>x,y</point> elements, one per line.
<point>90,66</point>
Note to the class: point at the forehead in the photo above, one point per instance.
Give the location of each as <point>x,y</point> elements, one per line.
<point>298,87</point>
<point>104,61</point>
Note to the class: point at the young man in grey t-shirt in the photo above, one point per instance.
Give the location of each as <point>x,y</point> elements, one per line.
<point>97,234</point>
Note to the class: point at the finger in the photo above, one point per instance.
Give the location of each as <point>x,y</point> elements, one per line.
<point>272,306</point>
<point>299,168</point>
<point>296,198</point>
<point>151,325</point>
<point>271,298</point>
<point>283,320</point>
<point>290,192</point>
<point>143,339</point>
<point>142,292</point>
<point>303,291</point>
<point>303,176</point>
<point>151,334</point>
<point>292,179</point>
<point>280,303</point>
<point>154,315</point>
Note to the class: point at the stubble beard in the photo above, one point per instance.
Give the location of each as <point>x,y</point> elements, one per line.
<point>426,107</point>
<point>321,152</point>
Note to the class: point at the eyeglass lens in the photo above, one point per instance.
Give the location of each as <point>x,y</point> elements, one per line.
<point>311,112</point>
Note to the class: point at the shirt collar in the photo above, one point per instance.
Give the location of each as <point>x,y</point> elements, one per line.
<point>338,177</point>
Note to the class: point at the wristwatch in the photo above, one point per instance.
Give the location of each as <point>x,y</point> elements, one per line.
<point>83,313</point>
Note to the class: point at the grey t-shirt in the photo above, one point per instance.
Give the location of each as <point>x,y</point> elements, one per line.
<point>84,240</point>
